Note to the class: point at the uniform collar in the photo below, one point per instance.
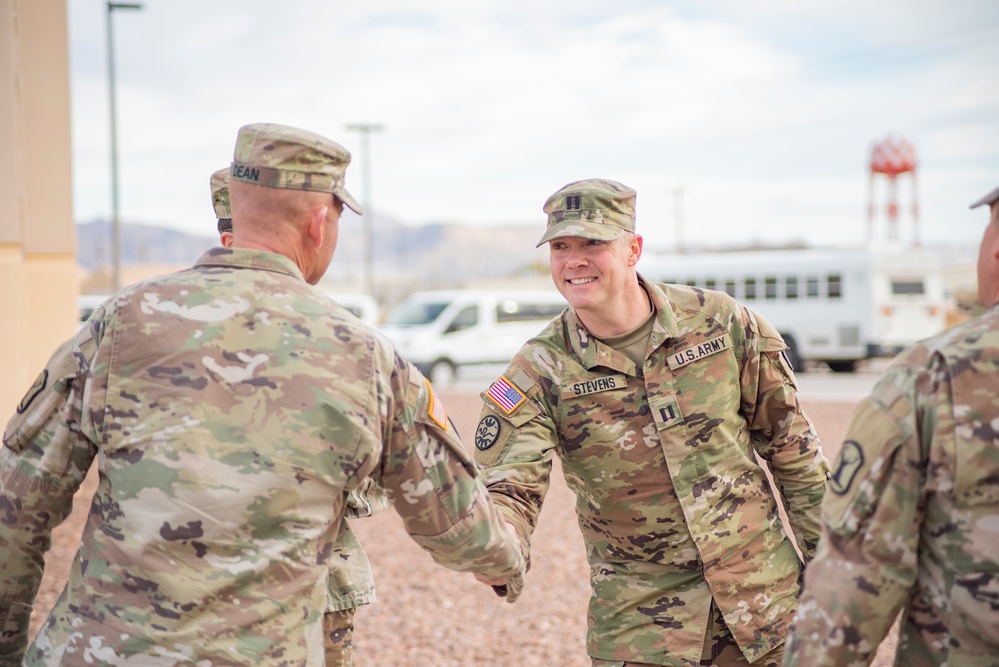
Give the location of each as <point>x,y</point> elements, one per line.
<point>243,258</point>
<point>591,352</point>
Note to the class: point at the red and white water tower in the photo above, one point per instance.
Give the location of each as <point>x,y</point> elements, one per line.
<point>891,158</point>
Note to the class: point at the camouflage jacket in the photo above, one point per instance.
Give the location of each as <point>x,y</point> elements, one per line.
<point>230,411</point>
<point>911,520</point>
<point>351,583</point>
<point>674,507</point>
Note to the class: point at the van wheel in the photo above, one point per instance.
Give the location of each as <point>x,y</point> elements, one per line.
<point>842,365</point>
<point>442,373</point>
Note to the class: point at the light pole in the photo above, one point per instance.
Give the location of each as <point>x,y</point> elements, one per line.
<point>115,222</point>
<point>368,219</point>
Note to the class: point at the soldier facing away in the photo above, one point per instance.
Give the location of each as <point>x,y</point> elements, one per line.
<point>230,411</point>
<point>351,583</point>
<point>911,521</point>
<point>657,399</point>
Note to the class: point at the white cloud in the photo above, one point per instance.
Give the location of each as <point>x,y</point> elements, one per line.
<point>764,113</point>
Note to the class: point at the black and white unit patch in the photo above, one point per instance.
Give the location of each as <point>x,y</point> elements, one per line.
<point>851,460</point>
<point>487,432</point>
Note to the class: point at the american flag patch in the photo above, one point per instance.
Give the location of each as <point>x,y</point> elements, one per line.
<point>505,395</point>
<point>436,409</point>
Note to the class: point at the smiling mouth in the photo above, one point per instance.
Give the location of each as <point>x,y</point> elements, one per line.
<point>580,281</point>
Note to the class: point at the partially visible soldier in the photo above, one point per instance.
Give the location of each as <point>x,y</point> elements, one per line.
<point>657,400</point>
<point>911,520</point>
<point>230,411</point>
<point>219,183</point>
<point>351,583</point>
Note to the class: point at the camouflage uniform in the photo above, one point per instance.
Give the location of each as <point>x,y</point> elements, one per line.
<point>351,583</point>
<point>910,521</point>
<point>676,513</point>
<point>230,410</point>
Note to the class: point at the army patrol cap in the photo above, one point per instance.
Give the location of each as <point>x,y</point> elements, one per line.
<point>988,199</point>
<point>220,199</point>
<point>280,156</point>
<point>593,209</point>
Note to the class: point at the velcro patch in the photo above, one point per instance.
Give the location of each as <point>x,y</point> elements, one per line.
<point>594,385</point>
<point>505,395</point>
<point>435,409</point>
<point>487,432</point>
<point>41,382</point>
<point>697,352</point>
<point>667,413</point>
<point>861,469</point>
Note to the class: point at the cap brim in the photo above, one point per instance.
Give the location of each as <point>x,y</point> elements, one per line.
<point>349,201</point>
<point>988,199</point>
<point>586,230</point>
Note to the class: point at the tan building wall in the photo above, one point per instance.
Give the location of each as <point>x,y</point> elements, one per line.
<point>38,279</point>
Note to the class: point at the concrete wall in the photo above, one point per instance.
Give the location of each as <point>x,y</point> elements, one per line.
<point>38,276</point>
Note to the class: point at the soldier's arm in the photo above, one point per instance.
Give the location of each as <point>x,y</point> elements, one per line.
<point>782,434</point>
<point>434,486</point>
<point>867,557</point>
<point>45,457</point>
<point>515,448</point>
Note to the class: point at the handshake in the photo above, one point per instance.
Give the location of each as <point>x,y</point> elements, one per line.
<point>508,588</point>
<point>505,588</point>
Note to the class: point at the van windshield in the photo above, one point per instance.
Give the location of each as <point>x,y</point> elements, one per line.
<point>416,313</point>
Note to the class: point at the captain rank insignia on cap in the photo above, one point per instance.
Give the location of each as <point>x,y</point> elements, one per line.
<point>505,395</point>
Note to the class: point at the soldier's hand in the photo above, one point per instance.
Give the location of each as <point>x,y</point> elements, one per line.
<point>505,588</point>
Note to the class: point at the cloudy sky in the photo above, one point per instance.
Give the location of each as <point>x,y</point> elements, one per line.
<point>754,120</point>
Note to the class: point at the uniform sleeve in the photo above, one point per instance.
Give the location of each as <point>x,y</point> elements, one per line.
<point>781,433</point>
<point>867,557</point>
<point>48,447</point>
<point>516,449</point>
<point>433,484</point>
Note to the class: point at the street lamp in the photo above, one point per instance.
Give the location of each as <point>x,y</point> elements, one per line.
<point>368,219</point>
<point>115,222</point>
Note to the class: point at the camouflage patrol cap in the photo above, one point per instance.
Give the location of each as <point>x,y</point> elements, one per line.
<point>219,183</point>
<point>594,208</point>
<point>988,199</point>
<point>280,156</point>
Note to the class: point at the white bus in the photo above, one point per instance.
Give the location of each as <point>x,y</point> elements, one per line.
<point>838,306</point>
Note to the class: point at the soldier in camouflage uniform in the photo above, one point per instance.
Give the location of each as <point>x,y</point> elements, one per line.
<point>657,399</point>
<point>219,183</point>
<point>230,409</point>
<point>351,583</point>
<point>911,521</point>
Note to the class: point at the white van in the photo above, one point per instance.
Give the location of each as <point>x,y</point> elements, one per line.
<point>441,331</point>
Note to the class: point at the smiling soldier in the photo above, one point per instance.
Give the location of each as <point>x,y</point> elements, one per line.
<point>657,399</point>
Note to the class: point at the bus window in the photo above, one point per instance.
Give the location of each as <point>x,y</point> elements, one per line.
<point>709,283</point>
<point>907,287</point>
<point>691,283</point>
<point>834,286</point>
<point>730,288</point>
<point>791,287</point>
<point>770,287</point>
<point>812,286</point>
<point>749,289</point>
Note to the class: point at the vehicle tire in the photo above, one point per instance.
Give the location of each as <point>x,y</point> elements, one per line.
<point>793,355</point>
<point>442,373</point>
<point>842,365</point>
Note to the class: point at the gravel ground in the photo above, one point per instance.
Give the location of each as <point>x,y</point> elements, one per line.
<point>427,615</point>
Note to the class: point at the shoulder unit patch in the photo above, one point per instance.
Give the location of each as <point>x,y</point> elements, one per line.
<point>435,409</point>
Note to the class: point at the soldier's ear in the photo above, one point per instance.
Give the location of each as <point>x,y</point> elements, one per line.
<point>635,246</point>
<point>317,224</point>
